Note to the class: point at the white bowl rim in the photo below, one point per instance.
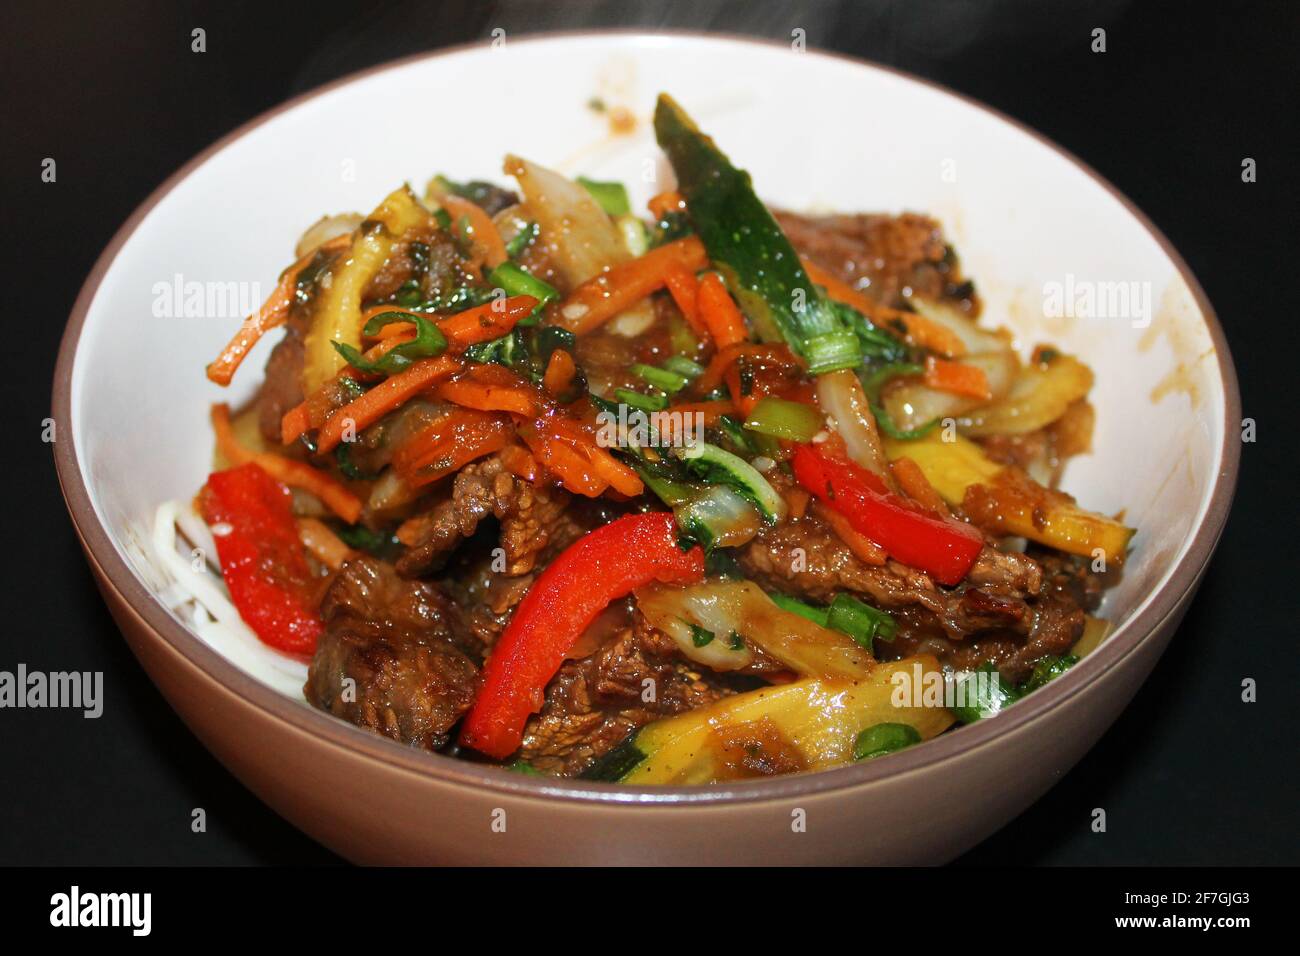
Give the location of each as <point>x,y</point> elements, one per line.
<point>1165,603</point>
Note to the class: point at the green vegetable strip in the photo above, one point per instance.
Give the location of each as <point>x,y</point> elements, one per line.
<point>793,421</point>
<point>520,240</point>
<point>429,342</point>
<point>884,739</point>
<point>719,466</point>
<point>611,197</point>
<point>817,615</point>
<point>661,379</point>
<point>684,367</point>
<point>859,621</point>
<point>515,281</point>
<point>647,403</point>
<point>747,246</point>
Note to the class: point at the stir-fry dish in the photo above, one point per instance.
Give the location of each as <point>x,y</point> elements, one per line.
<point>715,493</point>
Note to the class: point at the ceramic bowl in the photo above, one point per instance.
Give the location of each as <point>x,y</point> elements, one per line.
<point>1034,227</point>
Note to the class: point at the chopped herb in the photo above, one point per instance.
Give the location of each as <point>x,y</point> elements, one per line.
<point>884,739</point>
<point>699,636</point>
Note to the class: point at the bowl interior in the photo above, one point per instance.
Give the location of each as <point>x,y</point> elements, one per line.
<point>1056,256</point>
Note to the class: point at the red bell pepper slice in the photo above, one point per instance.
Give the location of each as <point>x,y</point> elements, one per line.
<point>602,566</point>
<point>943,548</point>
<point>262,557</point>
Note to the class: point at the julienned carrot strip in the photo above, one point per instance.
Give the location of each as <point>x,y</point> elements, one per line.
<point>296,474</point>
<point>383,398</point>
<point>719,312</point>
<point>560,370</point>
<point>967,380</point>
<point>272,313</point>
<point>603,465</point>
<point>684,288</point>
<point>863,548</point>
<point>485,240</point>
<point>921,331</point>
<point>717,368</point>
<point>601,298</point>
<point>479,324</point>
<point>485,322</point>
<point>573,470</point>
<point>661,204</point>
<point>909,477</point>
<point>450,444</point>
<point>485,396</point>
<point>312,411</point>
<point>324,545</point>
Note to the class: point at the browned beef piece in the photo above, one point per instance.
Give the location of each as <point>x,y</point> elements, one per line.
<point>536,520</point>
<point>389,659</point>
<point>1004,612</point>
<point>881,255</point>
<point>594,703</point>
<point>281,385</point>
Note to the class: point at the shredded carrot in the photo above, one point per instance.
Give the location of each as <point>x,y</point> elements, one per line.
<point>909,476</point>
<point>491,388</point>
<point>717,368</point>
<point>863,548</point>
<point>719,312</point>
<point>273,312</point>
<point>485,241</point>
<point>561,428</point>
<point>573,469</point>
<point>295,474</point>
<point>685,290</point>
<point>920,331</point>
<point>967,380</point>
<point>383,398</point>
<point>661,204</point>
<point>324,545</point>
<point>711,410</point>
<point>601,298</point>
<point>449,444</point>
<point>485,322</point>
<point>559,372</point>
<point>479,324</point>
<point>517,460</point>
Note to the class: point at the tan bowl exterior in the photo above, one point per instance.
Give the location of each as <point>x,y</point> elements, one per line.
<point>375,801</point>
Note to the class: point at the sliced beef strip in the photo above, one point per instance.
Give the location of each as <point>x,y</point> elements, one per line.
<point>885,257</point>
<point>536,520</point>
<point>390,659</point>
<point>594,703</point>
<point>1004,612</point>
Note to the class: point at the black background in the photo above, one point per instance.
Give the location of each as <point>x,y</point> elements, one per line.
<point>1188,775</point>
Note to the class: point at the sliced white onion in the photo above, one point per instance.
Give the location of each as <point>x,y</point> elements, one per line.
<point>325,229</point>
<point>843,400</point>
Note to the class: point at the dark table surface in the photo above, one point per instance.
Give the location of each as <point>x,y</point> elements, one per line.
<point>1188,775</point>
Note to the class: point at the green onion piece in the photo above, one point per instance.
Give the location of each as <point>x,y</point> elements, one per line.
<point>830,351</point>
<point>981,693</point>
<point>817,615</point>
<point>684,367</point>
<point>780,418</point>
<point>873,383</point>
<point>901,434</point>
<point>860,621</point>
<point>661,379</point>
<point>699,636</point>
<point>884,739</point>
<point>429,342</point>
<point>735,641</point>
<point>520,240</point>
<point>1047,669</point>
<point>515,281</point>
<point>505,350</point>
<point>647,403</point>
<point>611,197</point>
<point>522,766</point>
